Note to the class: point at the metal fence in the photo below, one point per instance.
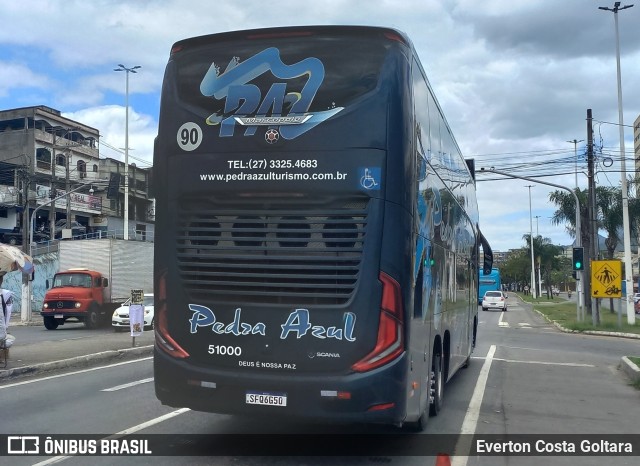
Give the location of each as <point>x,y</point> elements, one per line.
<point>45,247</point>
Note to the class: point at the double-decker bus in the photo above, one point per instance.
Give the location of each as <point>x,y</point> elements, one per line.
<point>316,229</point>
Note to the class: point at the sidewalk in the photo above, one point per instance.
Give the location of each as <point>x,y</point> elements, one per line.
<point>75,350</point>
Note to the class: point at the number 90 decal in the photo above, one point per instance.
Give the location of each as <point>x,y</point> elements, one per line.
<point>189,136</point>
<point>225,350</point>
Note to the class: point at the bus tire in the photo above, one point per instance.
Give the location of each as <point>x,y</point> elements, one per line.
<point>420,424</point>
<point>50,323</point>
<point>438,385</point>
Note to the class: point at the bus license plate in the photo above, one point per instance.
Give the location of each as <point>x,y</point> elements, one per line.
<point>266,399</point>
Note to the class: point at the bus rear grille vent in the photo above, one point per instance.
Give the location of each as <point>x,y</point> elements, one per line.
<point>289,257</point>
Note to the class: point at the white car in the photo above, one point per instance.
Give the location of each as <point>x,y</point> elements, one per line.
<point>120,317</point>
<point>495,300</point>
<point>636,297</point>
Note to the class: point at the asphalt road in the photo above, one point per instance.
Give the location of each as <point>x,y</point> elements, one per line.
<point>37,350</point>
<point>526,377</point>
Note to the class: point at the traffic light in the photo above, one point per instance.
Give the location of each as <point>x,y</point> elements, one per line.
<point>578,258</point>
<point>114,186</point>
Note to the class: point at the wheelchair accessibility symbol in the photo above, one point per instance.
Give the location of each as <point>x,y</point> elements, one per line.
<point>370,178</point>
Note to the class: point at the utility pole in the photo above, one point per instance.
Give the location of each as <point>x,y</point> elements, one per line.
<point>25,178</point>
<point>579,295</point>
<point>66,189</point>
<point>593,221</point>
<point>52,211</point>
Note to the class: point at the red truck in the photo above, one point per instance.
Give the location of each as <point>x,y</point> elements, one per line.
<point>78,294</point>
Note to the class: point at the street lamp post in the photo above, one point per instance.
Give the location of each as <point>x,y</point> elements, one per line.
<point>575,154</point>
<point>539,264</point>
<point>537,225</point>
<point>534,290</point>
<point>623,175</point>
<point>578,241</point>
<point>126,147</point>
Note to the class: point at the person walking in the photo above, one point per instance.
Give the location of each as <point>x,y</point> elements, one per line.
<point>6,297</point>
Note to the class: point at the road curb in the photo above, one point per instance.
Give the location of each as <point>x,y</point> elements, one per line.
<point>632,336</point>
<point>78,361</point>
<point>601,333</point>
<point>631,369</point>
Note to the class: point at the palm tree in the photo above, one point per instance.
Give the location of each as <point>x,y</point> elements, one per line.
<point>546,255</point>
<point>566,214</point>
<point>610,204</point>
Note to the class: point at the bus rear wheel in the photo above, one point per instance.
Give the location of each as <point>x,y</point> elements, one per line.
<point>437,385</point>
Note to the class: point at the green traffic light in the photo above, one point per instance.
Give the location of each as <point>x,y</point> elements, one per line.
<point>578,265</point>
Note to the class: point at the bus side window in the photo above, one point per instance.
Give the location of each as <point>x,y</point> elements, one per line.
<point>417,297</point>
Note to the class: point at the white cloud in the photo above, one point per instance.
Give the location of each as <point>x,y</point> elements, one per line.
<point>15,76</point>
<point>111,121</point>
<point>511,77</point>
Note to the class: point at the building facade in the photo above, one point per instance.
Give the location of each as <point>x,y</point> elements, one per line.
<point>44,155</point>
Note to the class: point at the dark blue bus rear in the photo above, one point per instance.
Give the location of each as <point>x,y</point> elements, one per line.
<point>315,229</point>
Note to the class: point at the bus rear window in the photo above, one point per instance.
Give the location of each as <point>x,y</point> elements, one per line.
<point>351,68</point>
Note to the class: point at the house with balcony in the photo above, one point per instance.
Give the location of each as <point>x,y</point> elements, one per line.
<point>44,155</point>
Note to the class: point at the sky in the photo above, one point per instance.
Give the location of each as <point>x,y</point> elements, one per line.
<point>514,79</point>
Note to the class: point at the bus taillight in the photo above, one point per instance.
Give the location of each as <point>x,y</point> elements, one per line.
<point>390,343</point>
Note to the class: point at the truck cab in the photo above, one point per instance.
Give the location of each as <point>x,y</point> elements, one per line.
<point>79,295</point>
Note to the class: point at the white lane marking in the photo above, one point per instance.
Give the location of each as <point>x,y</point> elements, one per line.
<point>473,411</point>
<point>127,385</point>
<point>500,322</point>
<point>91,369</point>
<point>130,430</point>
<point>545,363</point>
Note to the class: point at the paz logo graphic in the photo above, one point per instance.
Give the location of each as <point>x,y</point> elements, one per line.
<point>281,108</point>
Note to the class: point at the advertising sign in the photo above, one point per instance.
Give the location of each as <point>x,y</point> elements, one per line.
<point>136,313</point>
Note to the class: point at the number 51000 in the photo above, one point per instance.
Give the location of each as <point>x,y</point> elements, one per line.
<point>225,350</point>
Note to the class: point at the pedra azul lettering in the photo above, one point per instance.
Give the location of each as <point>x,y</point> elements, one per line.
<point>297,324</point>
